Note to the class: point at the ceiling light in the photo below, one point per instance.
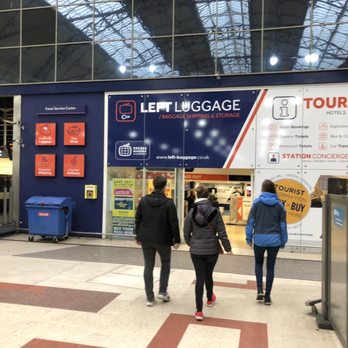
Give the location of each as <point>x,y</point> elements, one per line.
<point>312,58</point>
<point>152,68</point>
<point>273,60</point>
<point>122,68</point>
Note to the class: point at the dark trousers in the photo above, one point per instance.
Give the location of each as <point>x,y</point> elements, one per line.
<point>271,259</point>
<point>149,252</point>
<point>204,267</point>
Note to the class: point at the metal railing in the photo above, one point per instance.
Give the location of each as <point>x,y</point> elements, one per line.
<point>7,223</point>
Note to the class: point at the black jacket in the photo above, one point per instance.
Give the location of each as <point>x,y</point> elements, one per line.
<point>156,220</point>
<point>202,239</point>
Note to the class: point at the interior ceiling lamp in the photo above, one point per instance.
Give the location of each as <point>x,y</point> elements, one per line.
<point>273,60</point>
<point>312,58</point>
<point>152,68</point>
<point>122,68</point>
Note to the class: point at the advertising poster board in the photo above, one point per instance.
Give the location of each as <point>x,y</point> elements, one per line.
<point>303,128</point>
<point>123,208</point>
<point>74,133</point>
<point>325,112</point>
<point>280,130</point>
<point>194,130</point>
<point>74,166</point>
<point>45,134</point>
<point>45,165</point>
<point>123,192</point>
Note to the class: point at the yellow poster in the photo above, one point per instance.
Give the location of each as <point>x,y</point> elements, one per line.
<point>295,198</point>
<point>123,197</point>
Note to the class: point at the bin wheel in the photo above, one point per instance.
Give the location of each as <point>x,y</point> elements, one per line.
<point>66,237</point>
<point>31,238</point>
<point>55,240</point>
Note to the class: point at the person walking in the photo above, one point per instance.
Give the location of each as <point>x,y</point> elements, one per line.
<point>190,200</point>
<point>156,230</point>
<point>203,228</point>
<point>266,227</point>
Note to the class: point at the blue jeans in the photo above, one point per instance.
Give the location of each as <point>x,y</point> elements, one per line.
<point>271,259</point>
<point>149,252</point>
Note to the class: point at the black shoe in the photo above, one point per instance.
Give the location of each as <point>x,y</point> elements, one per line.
<point>260,297</point>
<point>267,301</point>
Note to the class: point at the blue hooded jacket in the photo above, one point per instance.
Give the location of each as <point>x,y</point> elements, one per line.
<point>267,222</point>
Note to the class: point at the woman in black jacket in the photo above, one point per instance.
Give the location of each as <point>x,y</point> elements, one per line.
<point>202,230</point>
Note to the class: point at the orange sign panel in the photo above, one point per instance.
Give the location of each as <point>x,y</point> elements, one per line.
<point>45,134</point>
<point>205,177</point>
<point>74,166</point>
<point>74,134</point>
<point>45,165</point>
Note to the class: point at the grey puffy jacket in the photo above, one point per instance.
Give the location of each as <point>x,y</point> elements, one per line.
<point>197,233</point>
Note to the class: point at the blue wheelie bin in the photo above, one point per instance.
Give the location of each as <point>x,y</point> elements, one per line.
<point>49,217</point>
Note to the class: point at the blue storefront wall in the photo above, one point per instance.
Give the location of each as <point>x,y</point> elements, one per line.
<point>87,216</point>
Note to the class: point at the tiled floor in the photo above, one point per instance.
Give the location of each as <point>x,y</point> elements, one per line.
<point>69,303</point>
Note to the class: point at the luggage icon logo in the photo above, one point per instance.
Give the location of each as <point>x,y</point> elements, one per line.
<point>125,150</point>
<point>125,111</point>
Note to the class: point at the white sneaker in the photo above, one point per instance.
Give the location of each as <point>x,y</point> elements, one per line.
<point>150,303</point>
<point>164,297</point>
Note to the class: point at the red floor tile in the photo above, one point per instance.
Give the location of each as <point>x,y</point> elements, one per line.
<point>51,297</point>
<point>38,343</point>
<point>252,335</point>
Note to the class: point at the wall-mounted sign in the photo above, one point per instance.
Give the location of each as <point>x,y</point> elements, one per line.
<point>74,166</point>
<point>45,134</point>
<point>193,130</point>
<point>61,109</point>
<point>45,165</point>
<point>206,177</point>
<point>74,134</point>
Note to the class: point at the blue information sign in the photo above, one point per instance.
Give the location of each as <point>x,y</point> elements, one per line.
<point>188,130</point>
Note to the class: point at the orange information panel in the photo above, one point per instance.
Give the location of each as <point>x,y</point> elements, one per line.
<point>74,133</point>
<point>45,165</point>
<point>74,166</point>
<point>45,134</point>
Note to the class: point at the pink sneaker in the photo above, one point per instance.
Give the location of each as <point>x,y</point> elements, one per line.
<point>199,316</point>
<point>211,302</point>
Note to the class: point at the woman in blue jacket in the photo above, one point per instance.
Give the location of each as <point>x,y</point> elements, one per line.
<point>266,226</point>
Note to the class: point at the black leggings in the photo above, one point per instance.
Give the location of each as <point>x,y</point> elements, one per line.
<point>204,267</point>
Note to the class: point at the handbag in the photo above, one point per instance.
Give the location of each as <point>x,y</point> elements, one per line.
<point>220,248</point>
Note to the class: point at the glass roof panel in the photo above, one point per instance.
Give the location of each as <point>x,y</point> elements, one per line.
<point>329,11</point>
<point>331,44</point>
<point>80,17</point>
<point>233,15</point>
<point>111,22</point>
<point>147,56</point>
<point>207,12</point>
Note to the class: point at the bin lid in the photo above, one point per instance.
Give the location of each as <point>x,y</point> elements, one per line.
<point>52,201</point>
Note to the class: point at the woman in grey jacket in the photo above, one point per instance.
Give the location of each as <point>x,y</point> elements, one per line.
<point>202,229</point>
